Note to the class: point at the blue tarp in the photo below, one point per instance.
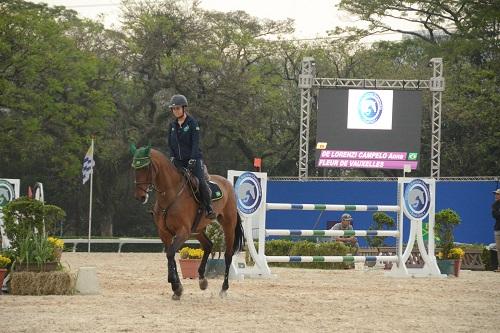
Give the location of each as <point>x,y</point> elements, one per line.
<point>472,200</point>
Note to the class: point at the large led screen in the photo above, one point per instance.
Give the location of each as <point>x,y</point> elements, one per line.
<point>377,129</point>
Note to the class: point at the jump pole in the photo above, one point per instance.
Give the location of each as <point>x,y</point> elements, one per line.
<point>251,188</point>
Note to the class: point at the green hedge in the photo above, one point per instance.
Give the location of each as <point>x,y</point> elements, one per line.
<point>281,247</point>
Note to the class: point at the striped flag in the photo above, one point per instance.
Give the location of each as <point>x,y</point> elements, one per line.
<point>88,163</point>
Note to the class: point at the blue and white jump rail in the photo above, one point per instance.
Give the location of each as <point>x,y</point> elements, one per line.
<point>416,201</point>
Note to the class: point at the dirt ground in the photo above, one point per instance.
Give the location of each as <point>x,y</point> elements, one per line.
<point>135,297</point>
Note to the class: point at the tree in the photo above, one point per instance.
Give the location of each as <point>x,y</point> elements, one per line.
<point>52,98</point>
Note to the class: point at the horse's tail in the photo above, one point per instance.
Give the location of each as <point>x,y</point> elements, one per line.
<point>239,236</point>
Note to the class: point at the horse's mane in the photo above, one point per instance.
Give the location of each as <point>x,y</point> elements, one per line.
<point>159,155</point>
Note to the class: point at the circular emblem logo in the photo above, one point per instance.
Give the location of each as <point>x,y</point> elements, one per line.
<point>6,192</point>
<point>248,192</point>
<point>370,107</point>
<point>417,198</point>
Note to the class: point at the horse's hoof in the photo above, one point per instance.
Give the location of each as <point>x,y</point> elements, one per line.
<point>203,283</point>
<point>223,293</point>
<point>177,289</point>
<point>176,297</point>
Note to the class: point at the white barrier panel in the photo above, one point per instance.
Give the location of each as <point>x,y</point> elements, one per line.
<point>9,190</point>
<point>416,201</point>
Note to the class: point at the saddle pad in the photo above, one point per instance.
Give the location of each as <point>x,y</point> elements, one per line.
<point>216,191</point>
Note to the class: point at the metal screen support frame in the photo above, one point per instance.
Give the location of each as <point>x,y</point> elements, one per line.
<point>305,84</point>
<point>436,87</point>
<point>308,80</point>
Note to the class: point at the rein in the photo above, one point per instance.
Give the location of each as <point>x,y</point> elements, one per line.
<point>149,182</point>
<point>152,187</point>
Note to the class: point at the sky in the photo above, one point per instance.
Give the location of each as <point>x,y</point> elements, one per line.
<point>313,18</point>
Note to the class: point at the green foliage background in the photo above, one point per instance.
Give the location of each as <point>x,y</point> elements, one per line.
<point>64,79</point>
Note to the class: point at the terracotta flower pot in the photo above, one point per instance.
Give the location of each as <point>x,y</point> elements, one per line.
<point>189,268</point>
<point>3,273</point>
<point>456,266</point>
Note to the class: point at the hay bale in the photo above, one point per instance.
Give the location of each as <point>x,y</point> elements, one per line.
<point>42,283</point>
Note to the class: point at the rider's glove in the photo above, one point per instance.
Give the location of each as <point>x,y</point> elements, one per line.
<point>172,159</point>
<point>191,164</point>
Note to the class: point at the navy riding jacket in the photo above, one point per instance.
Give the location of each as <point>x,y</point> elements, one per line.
<point>184,141</point>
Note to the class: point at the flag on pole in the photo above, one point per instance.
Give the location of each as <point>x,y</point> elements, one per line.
<point>88,163</point>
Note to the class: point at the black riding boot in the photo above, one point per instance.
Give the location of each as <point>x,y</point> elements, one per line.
<point>206,200</point>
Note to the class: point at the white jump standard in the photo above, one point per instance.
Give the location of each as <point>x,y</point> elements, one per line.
<point>416,201</point>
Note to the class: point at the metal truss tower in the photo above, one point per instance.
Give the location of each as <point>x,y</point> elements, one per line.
<point>436,88</point>
<point>307,81</point>
<point>305,84</point>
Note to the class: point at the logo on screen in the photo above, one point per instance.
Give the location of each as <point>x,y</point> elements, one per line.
<point>370,107</point>
<point>248,192</point>
<point>417,198</point>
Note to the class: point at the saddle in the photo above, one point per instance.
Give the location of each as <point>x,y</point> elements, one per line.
<point>193,182</point>
<point>194,185</point>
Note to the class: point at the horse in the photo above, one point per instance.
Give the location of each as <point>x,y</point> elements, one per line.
<point>176,209</point>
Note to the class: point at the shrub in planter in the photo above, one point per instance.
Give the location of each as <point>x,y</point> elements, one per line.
<point>215,233</point>
<point>334,249</point>
<point>381,221</point>
<point>489,259</point>
<point>307,248</point>
<point>215,267</point>
<point>34,248</point>
<point>445,221</point>
<point>278,247</point>
<point>24,216</point>
<point>284,247</point>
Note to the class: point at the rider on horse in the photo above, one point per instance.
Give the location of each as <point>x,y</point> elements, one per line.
<point>184,145</point>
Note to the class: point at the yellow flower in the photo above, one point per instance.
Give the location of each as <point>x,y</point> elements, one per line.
<point>56,242</point>
<point>456,253</point>
<point>4,261</point>
<point>189,253</point>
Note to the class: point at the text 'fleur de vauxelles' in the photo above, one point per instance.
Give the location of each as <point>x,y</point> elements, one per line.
<point>369,155</point>
<point>351,163</point>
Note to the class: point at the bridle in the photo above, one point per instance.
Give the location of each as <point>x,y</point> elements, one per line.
<point>149,182</point>
<point>152,187</point>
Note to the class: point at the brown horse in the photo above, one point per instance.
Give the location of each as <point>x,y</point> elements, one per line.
<point>175,211</point>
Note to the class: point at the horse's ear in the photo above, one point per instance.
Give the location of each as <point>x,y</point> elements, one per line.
<point>133,149</point>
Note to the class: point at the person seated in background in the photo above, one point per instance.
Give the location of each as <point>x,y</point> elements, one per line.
<point>345,224</point>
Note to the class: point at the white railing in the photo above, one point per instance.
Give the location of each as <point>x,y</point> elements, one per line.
<point>119,241</point>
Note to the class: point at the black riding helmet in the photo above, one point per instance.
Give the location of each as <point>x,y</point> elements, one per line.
<point>178,100</point>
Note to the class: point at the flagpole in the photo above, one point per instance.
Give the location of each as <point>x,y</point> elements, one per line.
<point>90,203</point>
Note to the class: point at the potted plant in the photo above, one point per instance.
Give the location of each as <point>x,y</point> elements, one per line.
<point>457,255</point>
<point>34,253</point>
<point>27,224</point>
<point>215,266</point>
<point>445,221</point>
<point>189,261</point>
<point>58,246</point>
<point>4,263</point>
